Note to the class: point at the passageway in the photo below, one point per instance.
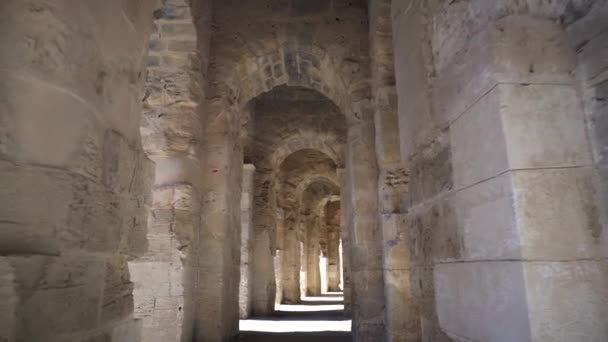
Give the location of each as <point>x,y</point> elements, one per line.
<point>319,318</point>
<point>207,170</point>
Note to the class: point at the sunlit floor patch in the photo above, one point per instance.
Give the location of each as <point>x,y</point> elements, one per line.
<point>262,325</point>
<point>308,308</point>
<point>314,314</point>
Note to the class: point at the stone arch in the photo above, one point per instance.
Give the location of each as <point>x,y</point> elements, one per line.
<point>305,142</point>
<point>325,178</point>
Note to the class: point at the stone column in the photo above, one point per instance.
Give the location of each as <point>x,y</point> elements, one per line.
<point>171,131</point>
<point>510,216</point>
<point>291,264</point>
<point>263,276</point>
<point>333,260</point>
<point>401,318</point>
<point>364,233</point>
<point>246,237</point>
<point>75,184</point>
<point>217,294</point>
<point>344,231</point>
<point>313,250</point>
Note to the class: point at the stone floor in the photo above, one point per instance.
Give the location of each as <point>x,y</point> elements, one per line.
<point>318,319</point>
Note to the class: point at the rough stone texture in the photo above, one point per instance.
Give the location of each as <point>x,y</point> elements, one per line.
<point>166,277</point>
<point>455,148</point>
<point>75,182</point>
<point>588,36</point>
<point>504,138</point>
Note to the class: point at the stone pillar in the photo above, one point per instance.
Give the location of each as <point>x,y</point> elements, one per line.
<point>515,216</point>
<point>401,318</point>
<point>219,256</point>
<point>246,237</point>
<point>333,260</point>
<point>291,264</point>
<point>313,250</point>
<point>587,37</point>
<point>345,236</point>
<point>263,276</point>
<point>364,233</point>
<point>75,184</point>
<point>171,130</point>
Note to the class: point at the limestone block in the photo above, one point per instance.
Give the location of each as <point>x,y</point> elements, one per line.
<point>176,169</point>
<point>588,27</point>
<point>119,160</point>
<point>567,300</point>
<point>523,127</point>
<point>150,278</point>
<point>174,129</point>
<point>117,300</point>
<point>470,296</point>
<point>544,126</point>
<point>58,129</point>
<point>592,57</point>
<point>514,49</point>
<point>367,286</point>
<point>454,24</point>
<point>478,143</point>
<point>395,242</point>
<point>364,332</point>
<point>557,214</point>
<point>127,332</point>
<point>412,54</point>
<point>33,208</point>
<point>485,216</point>
<point>56,311</point>
<point>597,109</point>
<point>564,11</point>
<point>402,317</point>
<point>434,235</point>
<point>8,302</point>
<point>95,221</point>
<point>431,171</point>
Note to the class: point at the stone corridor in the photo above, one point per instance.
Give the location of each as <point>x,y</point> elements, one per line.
<point>183,170</point>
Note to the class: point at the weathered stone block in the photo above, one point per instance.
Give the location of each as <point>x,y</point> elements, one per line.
<point>57,130</point>
<point>8,302</point>
<point>543,126</point>
<point>485,218</point>
<point>470,296</point>
<point>117,300</point>
<point>369,292</point>
<point>34,208</point>
<point>395,242</point>
<point>434,235</point>
<point>402,316</point>
<point>567,301</point>
<point>78,308</point>
<point>478,143</point>
<point>560,204</point>
<point>119,160</point>
<point>176,29</point>
<point>431,171</point>
<point>514,49</point>
<point>95,221</point>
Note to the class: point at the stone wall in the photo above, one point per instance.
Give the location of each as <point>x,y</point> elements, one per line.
<point>165,277</point>
<point>75,181</point>
<point>502,196</point>
<point>588,37</point>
